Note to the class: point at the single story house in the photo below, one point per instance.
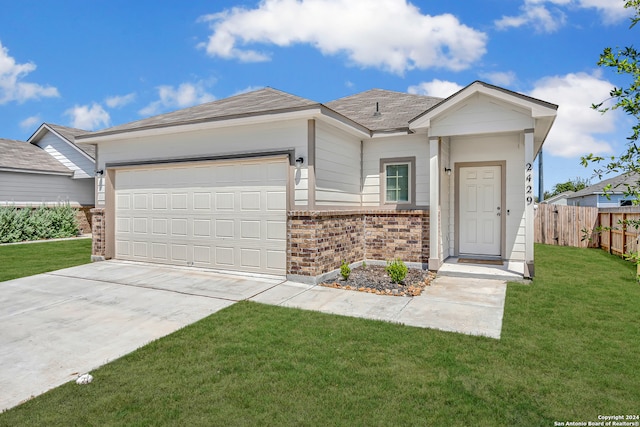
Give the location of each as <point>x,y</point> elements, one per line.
<point>268,182</point>
<point>609,193</point>
<point>47,169</point>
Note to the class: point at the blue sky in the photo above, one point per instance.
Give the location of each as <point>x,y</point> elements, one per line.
<point>95,64</point>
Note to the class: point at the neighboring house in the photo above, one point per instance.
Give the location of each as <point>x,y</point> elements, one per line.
<point>596,195</point>
<point>268,182</point>
<point>559,199</point>
<point>47,169</point>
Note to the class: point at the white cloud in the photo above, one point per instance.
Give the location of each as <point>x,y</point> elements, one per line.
<point>120,100</point>
<point>536,14</point>
<point>437,88</point>
<point>612,10</point>
<point>578,129</point>
<point>12,86</point>
<point>500,78</point>
<point>88,117</point>
<point>185,95</point>
<point>30,122</point>
<point>389,34</point>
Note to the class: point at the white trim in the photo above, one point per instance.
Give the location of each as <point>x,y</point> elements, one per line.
<point>39,172</point>
<point>72,144</point>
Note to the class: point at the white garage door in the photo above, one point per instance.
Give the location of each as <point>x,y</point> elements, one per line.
<point>227,215</point>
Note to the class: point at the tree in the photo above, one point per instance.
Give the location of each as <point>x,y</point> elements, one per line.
<point>575,184</point>
<point>627,98</point>
<point>627,62</point>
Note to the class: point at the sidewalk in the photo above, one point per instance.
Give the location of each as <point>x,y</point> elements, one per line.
<point>471,305</point>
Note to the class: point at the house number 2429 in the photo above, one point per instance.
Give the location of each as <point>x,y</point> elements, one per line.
<point>528,183</point>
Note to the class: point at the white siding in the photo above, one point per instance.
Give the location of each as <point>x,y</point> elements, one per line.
<point>282,135</point>
<point>509,148</point>
<point>337,167</point>
<point>482,114</point>
<point>68,155</point>
<point>395,146</point>
<point>35,189</point>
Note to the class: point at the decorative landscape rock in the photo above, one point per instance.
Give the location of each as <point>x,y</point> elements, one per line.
<point>375,280</point>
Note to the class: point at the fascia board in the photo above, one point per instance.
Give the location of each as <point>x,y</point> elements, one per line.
<point>205,125</point>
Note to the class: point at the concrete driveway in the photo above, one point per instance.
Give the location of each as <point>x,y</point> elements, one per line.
<point>57,325</point>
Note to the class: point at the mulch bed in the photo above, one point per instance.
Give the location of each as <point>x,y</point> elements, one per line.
<point>375,280</point>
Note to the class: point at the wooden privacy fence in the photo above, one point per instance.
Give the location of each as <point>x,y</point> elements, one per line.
<point>618,235</point>
<point>566,225</point>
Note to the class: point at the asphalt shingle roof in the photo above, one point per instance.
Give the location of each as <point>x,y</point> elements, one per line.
<point>24,156</point>
<point>618,185</point>
<point>262,101</point>
<point>394,109</point>
<point>70,135</point>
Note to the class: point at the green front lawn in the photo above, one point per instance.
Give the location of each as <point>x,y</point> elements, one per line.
<point>35,258</point>
<point>569,352</point>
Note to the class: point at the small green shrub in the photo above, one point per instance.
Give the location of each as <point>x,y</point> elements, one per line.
<point>364,265</point>
<point>345,270</point>
<point>397,270</point>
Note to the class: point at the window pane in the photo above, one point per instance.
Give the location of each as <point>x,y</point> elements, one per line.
<point>397,183</point>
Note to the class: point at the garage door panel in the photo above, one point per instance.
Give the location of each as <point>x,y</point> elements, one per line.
<point>202,201</point>
<point>276,230</point>
<point>250,229</point>
<point>225,201</point>
<point>179,253</point>
<point>140,201</point>
<point>228,215</point>
<point>140,249</point>
<point>160,252</point>
<point>159,201</point>
<point>202,228</point>
<point>123,248</point>
<point>159,226</point>
<point>179,201</point>
<point>249,257</point>
<point>276,259</point>
<point>250,201</point>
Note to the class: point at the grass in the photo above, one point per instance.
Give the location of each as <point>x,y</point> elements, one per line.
<point>569,352</point>
<point>35,258</point>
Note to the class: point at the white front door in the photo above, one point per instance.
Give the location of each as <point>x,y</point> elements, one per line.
<point>480,210</point>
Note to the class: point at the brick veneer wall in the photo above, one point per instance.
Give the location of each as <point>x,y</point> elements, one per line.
<point>318,241</point>
<point>98,248</point>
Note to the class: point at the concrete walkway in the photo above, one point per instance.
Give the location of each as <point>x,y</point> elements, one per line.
<point>466,305</point>
<point>57,325</point>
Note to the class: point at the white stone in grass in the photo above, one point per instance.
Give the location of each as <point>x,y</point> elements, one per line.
<point>84,379</point>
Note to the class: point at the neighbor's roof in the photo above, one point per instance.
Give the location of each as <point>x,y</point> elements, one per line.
<point>559,196</point>
<point>70,135</point>
<point>67,133</point>
<point>379,109</point>
<point>23,156</point>
<point>262,101</point>
<point>618,185</point>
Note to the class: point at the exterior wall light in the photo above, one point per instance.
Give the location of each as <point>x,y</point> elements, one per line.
<point>448,171</point>
<point>99,172</point>
<point>299,161</point>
